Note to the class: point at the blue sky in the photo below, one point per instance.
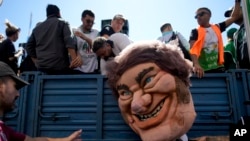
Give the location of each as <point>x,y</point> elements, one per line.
<point>145,16</point>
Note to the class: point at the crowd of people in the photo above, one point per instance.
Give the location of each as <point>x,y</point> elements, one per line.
<point>54,48</point>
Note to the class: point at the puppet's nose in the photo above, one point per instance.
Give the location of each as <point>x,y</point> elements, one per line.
<point>140,103</point>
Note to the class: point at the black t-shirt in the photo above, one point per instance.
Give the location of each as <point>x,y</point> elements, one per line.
<point>194,32</point>
<point>107,30</point>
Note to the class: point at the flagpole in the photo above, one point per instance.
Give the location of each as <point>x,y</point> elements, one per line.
<point>1,1</point>
<point>30,24</point>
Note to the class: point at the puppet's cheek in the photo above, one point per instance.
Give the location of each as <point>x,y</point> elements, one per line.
<point>163,84</point>
<point>124,106</point>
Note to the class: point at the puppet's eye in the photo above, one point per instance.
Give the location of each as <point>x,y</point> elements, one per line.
<point>125,93</point>
<point>149,79</point>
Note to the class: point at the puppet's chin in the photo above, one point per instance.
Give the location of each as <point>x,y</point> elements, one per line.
<point>165,124</point>
<point>167,130</point>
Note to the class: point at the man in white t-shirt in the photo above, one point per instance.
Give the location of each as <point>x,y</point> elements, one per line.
<point>84,35</point>
<point>107,49</point>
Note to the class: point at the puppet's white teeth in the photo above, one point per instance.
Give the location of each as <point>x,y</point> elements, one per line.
<point>153,114</point>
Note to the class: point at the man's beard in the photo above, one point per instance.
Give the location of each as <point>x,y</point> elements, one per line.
<point>107,57</point>
<point>8,108</point>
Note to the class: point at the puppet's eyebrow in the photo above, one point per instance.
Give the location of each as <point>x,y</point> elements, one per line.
<point>142,74</point>
<point>122,87</point>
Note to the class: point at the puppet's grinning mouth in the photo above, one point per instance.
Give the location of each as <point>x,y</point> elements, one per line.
<point>153,114</point>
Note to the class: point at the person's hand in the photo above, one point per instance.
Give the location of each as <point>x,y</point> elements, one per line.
<point>79,34</point>
<point>19,53</point>
<point>198,70</point>
<point>76,62</point>
<point>75,136</point>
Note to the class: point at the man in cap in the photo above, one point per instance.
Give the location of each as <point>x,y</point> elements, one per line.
<point>51,42</point>
<point>229,50</point>
<point>117,23</point>
<point>7,48</point>
<point>10,83</point>
<point>240,41</point>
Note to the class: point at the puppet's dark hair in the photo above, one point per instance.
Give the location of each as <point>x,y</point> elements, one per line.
<point>164,56</point>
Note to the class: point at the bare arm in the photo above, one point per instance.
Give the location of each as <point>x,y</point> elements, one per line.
<point>76,60</point>
<point>198,70</point>
<point>106,36</point>
<point>75,136</point>
<point>235,14</point>
<point>12,58</point>
<point>82,36</point>
<point>72,53</point>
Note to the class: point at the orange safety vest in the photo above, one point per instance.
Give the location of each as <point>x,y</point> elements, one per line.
<point>196,48</point>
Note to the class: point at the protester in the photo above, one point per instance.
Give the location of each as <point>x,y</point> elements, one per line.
<point>207,49</point>
<point>240,41</point>
<point>169,35</point>
<point>8,53</point>
<point>51,42</point>
<point>117,23</point>
<point>85,35</point>
<point>107,49</point>
<point>10,83</point>
<point>229,50</point>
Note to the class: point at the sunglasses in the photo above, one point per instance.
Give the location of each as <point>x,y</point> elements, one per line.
<point>90,22</point>
<point>200,14</point>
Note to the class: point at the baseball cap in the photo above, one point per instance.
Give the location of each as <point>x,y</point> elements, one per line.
<point>230,32</point>
<point>5,70</point>
<point>119,16</point>
<point>228,12</point>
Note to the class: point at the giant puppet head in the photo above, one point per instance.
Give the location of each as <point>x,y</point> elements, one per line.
<point>151,82</point>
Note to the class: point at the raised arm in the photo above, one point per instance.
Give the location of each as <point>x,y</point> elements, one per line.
<point>235,13</point>
<point>75,136</point>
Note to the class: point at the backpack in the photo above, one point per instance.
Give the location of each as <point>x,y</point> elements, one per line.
<point>183,49</point>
